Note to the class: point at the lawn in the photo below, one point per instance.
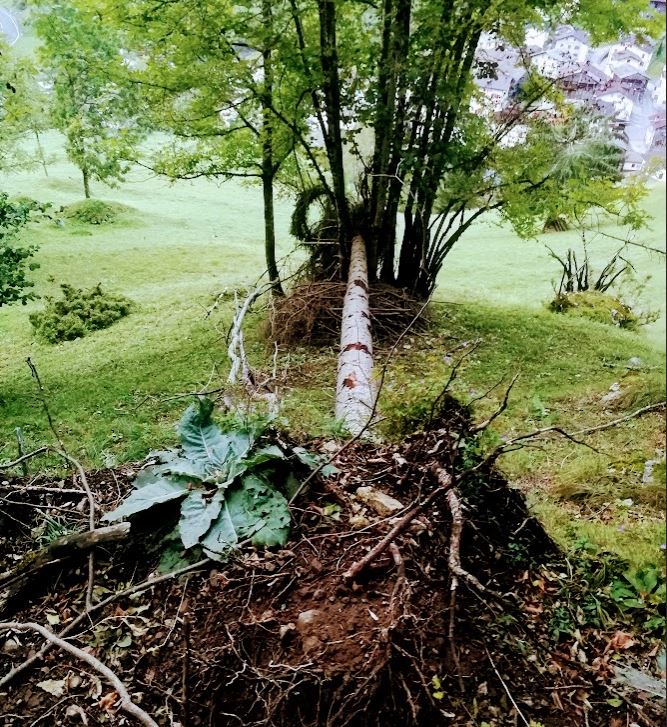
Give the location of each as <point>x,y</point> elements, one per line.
<point>111,393</point>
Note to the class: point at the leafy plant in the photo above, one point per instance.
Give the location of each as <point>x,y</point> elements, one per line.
<point>226,482</point>
<point>78,312</point>
<point>14,283</point>
<point>640,591</point>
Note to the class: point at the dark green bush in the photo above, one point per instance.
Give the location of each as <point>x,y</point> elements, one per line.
<point>94,212</point>
<point>596,306</point>
<point>78,313</point>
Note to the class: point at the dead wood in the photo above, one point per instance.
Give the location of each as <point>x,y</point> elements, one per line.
<point>312,313</point>
<point>17,580</point>
<point>126,703</point>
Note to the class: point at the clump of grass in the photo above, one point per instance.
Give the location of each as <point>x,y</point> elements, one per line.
<point>95,212</point>
<point>78,313</point>
<point>593,480</point>
<point>595,306</point>
<point>638,390</point>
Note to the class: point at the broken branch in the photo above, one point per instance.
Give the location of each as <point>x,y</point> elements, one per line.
<point>126,703</point>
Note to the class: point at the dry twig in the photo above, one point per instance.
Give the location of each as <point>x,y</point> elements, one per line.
<point>126,703</point>
<point>144,585</point>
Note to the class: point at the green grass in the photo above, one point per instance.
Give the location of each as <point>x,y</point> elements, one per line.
<point>110,393</point>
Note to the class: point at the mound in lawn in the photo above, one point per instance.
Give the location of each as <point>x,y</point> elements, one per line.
<point>78,313</point>
<point>96,212</point>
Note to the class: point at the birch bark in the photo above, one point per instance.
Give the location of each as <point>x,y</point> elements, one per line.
<point>354,388</point>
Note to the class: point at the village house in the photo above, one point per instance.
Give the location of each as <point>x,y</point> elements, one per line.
<point>620,99</point>
<point>571,44</point>
<point>631,80</point>
<point>658,93</point>
<point>626,53</point>
<point>655,133</point>
<point>634,162</point>
<point>585,82</point>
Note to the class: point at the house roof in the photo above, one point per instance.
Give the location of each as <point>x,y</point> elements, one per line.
<point>614,88</point>
<point>567,31</point>
<point>626,71</point>
<point>597,75</point>
<point>625,54</point>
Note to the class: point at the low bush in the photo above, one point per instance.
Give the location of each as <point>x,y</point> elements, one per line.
<point>596,306</point>
<point>94,212</point>
<point>78,313</point>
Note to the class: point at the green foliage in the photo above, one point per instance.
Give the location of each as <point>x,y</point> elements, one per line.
<point>94,211</point>
<point>98,114</point>
<point>78,313</point>
<point>604,591</point>
<point>226,480</point>
<point>600,307</point>
<point>642,593</point>
<point>14,259</point>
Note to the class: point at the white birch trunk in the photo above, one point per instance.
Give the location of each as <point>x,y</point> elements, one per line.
<point>354,388</point>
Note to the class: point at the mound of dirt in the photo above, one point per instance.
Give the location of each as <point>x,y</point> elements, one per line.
<point>449,624</point>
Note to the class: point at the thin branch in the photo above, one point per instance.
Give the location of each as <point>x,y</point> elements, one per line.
<point>507,691</point>
<point>483,425</point>
<point>511,444</point>
<point>144,585</point>
<point>126,703</point>
<point>42,398</point>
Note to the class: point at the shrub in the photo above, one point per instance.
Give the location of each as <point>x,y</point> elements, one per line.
<point>596,306</point>
<point>94,212</point>
<point>78,312</point>
<point>14,259</point>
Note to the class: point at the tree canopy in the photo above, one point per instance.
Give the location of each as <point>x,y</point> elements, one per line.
<point>376,104</point>
<point>82,60</point>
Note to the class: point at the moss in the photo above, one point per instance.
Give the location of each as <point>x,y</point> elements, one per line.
<point>595,306</point>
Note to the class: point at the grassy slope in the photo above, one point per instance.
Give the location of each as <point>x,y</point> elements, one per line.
<point>189,241</point>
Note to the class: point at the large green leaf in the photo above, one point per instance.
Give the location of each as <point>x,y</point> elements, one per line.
<point>213,451</point>
<point>197,515</point>
<point>222,537</point>
<point>150,494</point>
<point>253,511</point>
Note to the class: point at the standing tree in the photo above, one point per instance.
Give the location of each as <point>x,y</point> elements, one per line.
<point>80,55</point>
<point>215,81</point>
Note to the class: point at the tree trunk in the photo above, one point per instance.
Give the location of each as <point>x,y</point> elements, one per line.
<point>355,396</point>
<point>40,149</point>
<point>268,168</point>
<point>86,182</point>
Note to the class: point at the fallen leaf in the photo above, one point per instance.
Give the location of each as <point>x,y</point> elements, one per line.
<point>108,700</point>
<point>52,618</point>
<point>620,641</point>
<point>75,711</point>
<point>53,686</point>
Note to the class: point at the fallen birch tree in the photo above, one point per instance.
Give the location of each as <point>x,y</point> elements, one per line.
<point>355,396</point>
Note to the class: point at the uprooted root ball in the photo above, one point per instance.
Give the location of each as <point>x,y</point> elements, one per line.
<point>285,639</point>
